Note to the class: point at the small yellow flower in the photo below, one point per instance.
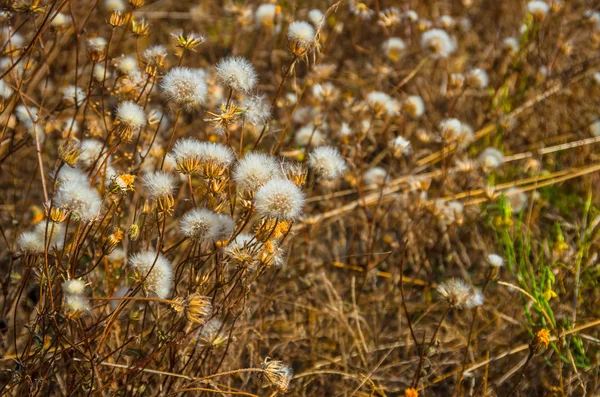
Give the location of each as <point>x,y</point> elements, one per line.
<point>540,341</point>
<point>410,392</point>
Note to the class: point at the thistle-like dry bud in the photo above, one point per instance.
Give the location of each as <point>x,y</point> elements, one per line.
<point>69,151</point>
<point>277,374</point>
<point>133,232</point>
<point>58,215</point>
<point>112,241</point>
<point>187,41</point>
<point>137,3</point>
<point>116,19</point>
<point>140,28</point>
<point>197,308</point>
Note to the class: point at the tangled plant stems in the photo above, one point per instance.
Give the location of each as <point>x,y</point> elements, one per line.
<point>383,199</point>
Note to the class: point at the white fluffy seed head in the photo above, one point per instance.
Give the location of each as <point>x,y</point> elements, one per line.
<point>381,102</point>
<point>159,184</point>
<point>73,95</point>
<point>495,260</point>
<point>77,305</point>
<point>131,115</point>
<point>437,43</point>
<point>327,162</point>
<point>538,9</point>
<point>78,197</point>
<point>73,287</point>
<point>309,134</point>
<point>414,106</point>
<point>256,109</point>
<point>100,72</point>
<point>595,128</point>
<point>376,176</point>
<point>279,199</point>
<point>315,17</point>
<point>477,78</point>
<point>491,158</point>
<point>460,294</point>
<point>216,153</point>
<point>5,90</point>
<point>35,242</point>
<point>450,129</point>
<point>393,48</point>
<point>302,33</point>
<point>185,87</point>
<point>90,151</point>
<point>112,5</point>
<point>155,270</point>
<point>265,14</point>
<point>97,44</point>
<point>254,170</point>
<point>127,65</point>
<point>200,225</point>
<point>400,146</point>
<point>517,199</point>
<point>237,73</point>
<point>510,45</point>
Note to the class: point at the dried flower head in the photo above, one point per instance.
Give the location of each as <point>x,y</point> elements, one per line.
<point>400,146</point>
<point>73,287</point>
<point>185,87</point>
<point>187,41</point>
<point>201,224</point>
<point>477,78</point>
<point>277,374</point>
<point>460,294</point>
<point>280,199</point>
<point>36,241</point>
<point>257,111</point>
<point>73,95</point>
<point>327,162</point>
<point>237,73</point>
<point>414,106</point>
<point>437,43</point>
<point>490,159</point>
<point>131,119</point>
<point>393,48</point>
<point>538,9</point>
<point>154,271</point>
<point>161,186</point>
<point>76,306</point>
<point>195,307</point>
<point>495,260</point>
<point>266,14</point>
<point>301,38</point>
<point>254,170</point>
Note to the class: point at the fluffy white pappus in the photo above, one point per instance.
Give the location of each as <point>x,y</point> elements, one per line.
<point>132,115</point>
<point>477,78</point>
<point>279,199</point>
<point>400,146</point>
<point>101,73</point>
<point>265,14</point>
<point>325,91</point>
<point>216,153</point>
<point>345,130</point>
<point>595,128</point>
<point>200,225</point>
<point>381,102</point>
<point>187,149</point>
<point>459,293</point>
<point>495,260</point>
<point>73,95</point>
<point>450,129</point>
<point>414,106</point>
<point>67,174</point>
<point>257,111</point>
<point>159,184</point>
<point>35,242</point>
<point>26,114</point>
<point>226,227</point>
<point>309,134</point>
<point>97,44</point>
<point>185,87</point>
<point>491,158</point>
<point>517,199</point>
<point>127,65</point>
<point>90,152</point>
<point>155,54</point>
<point>241,242</point>
<point>327,162</point>
<point>78,197</point>
<point>437,43</point>
<point>155,270</point>
<point>538,9</point>
<point>77,305</point>
<point>73,287</point>
<point>111,5</point>
<point>510,45</point>
<point>60,21</point>
<point>5,90</point>
<point>447,22</point>
<point>302,33</point>
<point>376,176</point>
<point>393,48</point>
<point>254,170</point>
<point>237,73</point>
<point>315,17</point>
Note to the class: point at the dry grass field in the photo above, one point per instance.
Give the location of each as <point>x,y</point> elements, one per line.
<point>305,198</point>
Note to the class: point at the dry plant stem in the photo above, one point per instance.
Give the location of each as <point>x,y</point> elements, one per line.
<point>523,371</point>
<point>162,164</point>
<point>274,101</point>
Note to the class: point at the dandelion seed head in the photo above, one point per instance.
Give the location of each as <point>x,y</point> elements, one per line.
<point>254,170</point>
<point>495,260</point>
<point>393,48</point>
<point>309,134</point>
<point>201,224</point>
<point>127,65</point>
<point>237,73</point>
<point>491,158</point>
<point>184,87</point>
<point>457,292</point>
<point>78,197</point>
<point>477,78</point>
<point>277,374</point>
<point>257,111</point>
<point>112,5</point>
<point>302,33</point>
<point>77,305</point>
<point>400,146</point>
<point>315,17</point>
<point>327,162</point>
<point>265,14</point>
<point>159,184</point>
<point>97,44</point>
<point>538,9</point>
<point>375,176</point>
<point>414,106</point>
<point>280,199</point>
<point>516,198</point>
<point>100,72</point>
<point>73,287</point>
<point>437,43</point>
<point>132,115</point>
<point>510,45</point>
<point>155,270</point>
